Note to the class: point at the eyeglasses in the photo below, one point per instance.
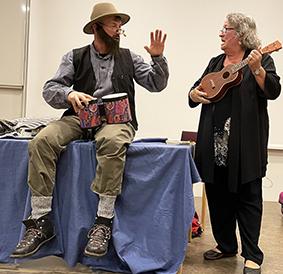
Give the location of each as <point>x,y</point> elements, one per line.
<point>115,28</point>
<point>225,29</point>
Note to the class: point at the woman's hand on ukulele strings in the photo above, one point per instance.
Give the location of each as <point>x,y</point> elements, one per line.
<point>254,60</point>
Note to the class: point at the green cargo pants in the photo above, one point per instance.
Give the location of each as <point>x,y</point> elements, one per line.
<point>111,147</point>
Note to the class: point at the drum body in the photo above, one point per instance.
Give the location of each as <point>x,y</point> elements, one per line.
<point>90,115</point>
<point>117,108</point>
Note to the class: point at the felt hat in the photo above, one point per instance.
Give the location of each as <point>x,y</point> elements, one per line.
<point>102,10</point>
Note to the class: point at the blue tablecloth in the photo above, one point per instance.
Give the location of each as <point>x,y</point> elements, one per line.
<point>152,215</point>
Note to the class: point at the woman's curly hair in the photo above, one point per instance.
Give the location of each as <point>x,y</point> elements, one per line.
<point>245,28</point>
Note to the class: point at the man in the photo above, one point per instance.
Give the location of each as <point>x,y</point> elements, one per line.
<point>95,70</point>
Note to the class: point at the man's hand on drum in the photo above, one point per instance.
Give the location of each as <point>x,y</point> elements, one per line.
<point>157,43</point>
<point>79,100</point>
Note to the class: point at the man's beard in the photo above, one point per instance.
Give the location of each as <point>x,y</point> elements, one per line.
<point>112,43</point>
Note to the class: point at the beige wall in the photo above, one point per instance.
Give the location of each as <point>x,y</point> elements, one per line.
<point>192,39</point>
<point>12,55</point>
<point>192,28</point>
<point>11,100</point>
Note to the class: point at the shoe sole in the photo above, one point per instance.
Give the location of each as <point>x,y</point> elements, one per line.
<point>212,255</point>
<point>94,254</point>
<point>248,270</point>
<point>32,252</point>
<point>220,257</point>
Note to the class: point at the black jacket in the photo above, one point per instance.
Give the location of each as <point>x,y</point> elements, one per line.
<point>247,147</point>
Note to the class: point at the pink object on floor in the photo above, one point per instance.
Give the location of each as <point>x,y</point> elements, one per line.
<point>281,201</point>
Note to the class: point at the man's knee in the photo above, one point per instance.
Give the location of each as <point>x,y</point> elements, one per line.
<point>43,142</point>
<point>115,136</point>
<point>112,144</point>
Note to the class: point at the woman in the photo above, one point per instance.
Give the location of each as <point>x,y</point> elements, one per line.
<point>231,150</point>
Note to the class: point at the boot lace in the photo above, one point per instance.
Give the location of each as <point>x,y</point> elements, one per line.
<point>99,234</point>
<point>30,235</point>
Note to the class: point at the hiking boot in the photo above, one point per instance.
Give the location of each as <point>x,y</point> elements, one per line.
<point>38,232</point>
<point>99,236</point>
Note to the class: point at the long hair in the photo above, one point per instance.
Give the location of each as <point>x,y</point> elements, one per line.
<point>245,28</point>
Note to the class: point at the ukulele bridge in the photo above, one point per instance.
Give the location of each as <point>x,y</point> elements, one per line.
<point>212,84</point>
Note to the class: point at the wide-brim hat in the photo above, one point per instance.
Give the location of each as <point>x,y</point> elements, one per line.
<point>101,10</point>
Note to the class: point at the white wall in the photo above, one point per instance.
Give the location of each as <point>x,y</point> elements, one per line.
<point>192,28</point>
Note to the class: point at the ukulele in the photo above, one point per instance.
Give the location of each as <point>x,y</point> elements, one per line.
<point>216,84</point>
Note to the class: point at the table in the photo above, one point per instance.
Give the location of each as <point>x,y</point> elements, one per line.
<point>152,214</point>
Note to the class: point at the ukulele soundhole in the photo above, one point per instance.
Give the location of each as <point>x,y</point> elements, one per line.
<point>226,75</point>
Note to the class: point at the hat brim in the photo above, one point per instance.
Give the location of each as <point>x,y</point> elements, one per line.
<point>124,17</point>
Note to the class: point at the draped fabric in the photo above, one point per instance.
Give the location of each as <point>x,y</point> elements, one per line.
<point>152,215</point>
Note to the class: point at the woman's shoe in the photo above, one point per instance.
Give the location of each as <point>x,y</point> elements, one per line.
<point>215,255</point>
<point>248,270</point>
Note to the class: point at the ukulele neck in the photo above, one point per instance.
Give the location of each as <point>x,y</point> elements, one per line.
<point>268,49</point>
<point>237,67</point>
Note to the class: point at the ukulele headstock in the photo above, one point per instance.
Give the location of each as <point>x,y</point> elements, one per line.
<point>275,46</point>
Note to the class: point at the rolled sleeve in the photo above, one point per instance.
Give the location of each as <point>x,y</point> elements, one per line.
<point>153,76</point>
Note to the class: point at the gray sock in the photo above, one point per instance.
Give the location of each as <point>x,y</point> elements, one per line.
<point>40,206</point>
<point>106,206</point>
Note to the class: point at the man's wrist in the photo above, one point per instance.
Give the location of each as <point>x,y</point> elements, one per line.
<point>157,56</point>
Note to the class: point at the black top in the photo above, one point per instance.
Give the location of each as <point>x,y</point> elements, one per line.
<point>247,147</point>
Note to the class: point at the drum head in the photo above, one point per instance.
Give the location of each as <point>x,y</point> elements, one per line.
<point>93,101</point>
<point>114,96</point>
